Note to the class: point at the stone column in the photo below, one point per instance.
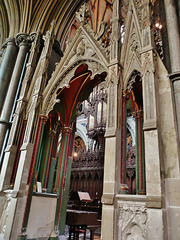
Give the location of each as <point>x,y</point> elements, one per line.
<point>123,139</point>
<point>45,177</point>
<point>62,168</point>
<point>175,78</point>
<point>174,47</point>
<point>140,174</point>
<point>19,114</point>
<point>23,42</point>
<point>173,34</point>
<point>7,68</point>
<point>151,133</point>
<point>23,171</point>
<point>112,136</point>
<point>33,169</point>
<point>172,178</point>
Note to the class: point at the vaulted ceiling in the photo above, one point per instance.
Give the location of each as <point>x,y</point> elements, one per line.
<point>29,15</point>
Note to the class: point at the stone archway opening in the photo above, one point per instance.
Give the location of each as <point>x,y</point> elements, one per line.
<point>133,156</point>
<point>89,159</point>
<point>58,138</point>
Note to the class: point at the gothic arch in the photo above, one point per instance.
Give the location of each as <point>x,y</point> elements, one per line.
<point>132,45</point>
<point>132,72</point>
<point>85,49</point>
<point>134,230</point>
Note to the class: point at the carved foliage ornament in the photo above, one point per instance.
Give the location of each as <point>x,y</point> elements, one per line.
<point>138,7</point>
<point>82,49</point>
<point>105,50</point>
<point>82,17</point>
<point>82,13</point>
<point>113,78</point>
<point>134,42</point>
<point>25,39</point>
<point>148,62</point>
<point>132,80</point>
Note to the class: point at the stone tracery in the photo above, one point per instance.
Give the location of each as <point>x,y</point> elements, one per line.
<point>104,47</point>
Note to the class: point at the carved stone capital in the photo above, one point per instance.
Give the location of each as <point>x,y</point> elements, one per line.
<point>126,94</point>
<point>21,105</point>
<point>32,36</point>
<point>44,118</point>
<point>9,41</point>
<point>138,114</point>
<point>52,133</point>
<point>113,77</point>
<point>67,130</point>
<point>24,39</point>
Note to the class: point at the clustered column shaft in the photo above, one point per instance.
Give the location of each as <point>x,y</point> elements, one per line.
<point>23,41</point>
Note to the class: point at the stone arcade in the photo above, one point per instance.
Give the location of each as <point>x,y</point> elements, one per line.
<point>53,53</point>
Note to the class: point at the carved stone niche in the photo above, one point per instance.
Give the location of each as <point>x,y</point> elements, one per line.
<point>132,221</point>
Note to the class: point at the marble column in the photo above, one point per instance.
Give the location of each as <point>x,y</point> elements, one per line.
<point>51,143</point>
<point>24,42</point>
<point>123,140</point>
<point>174,46</point>
<point>7,68</point>
<point>33,170</point>
<point>62,168</point>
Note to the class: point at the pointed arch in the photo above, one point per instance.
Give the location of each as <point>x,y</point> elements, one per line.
<point>132,44</point>
<point>132,156</point>
<point>83,49</point>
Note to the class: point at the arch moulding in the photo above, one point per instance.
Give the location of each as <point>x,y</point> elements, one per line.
<point>83,49</point>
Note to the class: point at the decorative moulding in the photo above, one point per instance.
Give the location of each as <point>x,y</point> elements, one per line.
<point>82,49</point>
<point>11,193</point>
<point>108,198</point>
<point>149,125</point>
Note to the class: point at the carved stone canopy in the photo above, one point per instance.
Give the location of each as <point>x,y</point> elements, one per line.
<point>78,89</point>
<point>84,49</point>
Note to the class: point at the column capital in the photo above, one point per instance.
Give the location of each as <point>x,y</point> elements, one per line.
<point>44,118</point>
<point>138,114</point>
<point>52,133</point>
<point>126,94</point>
<point>66,130</point>
<point>25,39</point>
<point>9,41</point>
